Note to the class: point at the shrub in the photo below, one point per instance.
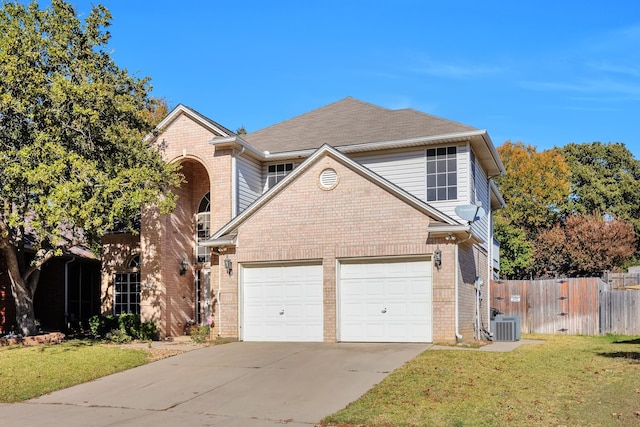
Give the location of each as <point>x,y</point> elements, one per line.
<point>100,326</point>
<point>200,333</point>
<point>129,325</point>
<point>148,331</point>
<point>118,336</point>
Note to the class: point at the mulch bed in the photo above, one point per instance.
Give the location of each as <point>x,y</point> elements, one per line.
<point>48,338</point>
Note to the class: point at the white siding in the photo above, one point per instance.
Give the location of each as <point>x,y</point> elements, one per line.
<point>249,182</point>
<point>480,227</point>
<point>405,169</point>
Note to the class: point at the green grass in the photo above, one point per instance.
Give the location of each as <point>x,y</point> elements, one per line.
<point>27,372</point>
<point>567,381</point>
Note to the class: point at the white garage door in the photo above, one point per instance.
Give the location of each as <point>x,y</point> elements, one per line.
<point>386,301</point>
<point>282,303</point>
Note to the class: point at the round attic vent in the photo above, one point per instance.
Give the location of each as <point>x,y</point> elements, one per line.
<point>328,179</point>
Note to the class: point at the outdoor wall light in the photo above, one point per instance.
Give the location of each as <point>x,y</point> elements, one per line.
<point>437,258</point>
<point>183,266</point>
<point>228,266</point>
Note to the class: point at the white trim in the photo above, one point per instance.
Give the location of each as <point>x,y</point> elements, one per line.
<point>195,116</point>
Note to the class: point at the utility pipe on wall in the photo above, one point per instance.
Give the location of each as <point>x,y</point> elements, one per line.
<point>66,291</point>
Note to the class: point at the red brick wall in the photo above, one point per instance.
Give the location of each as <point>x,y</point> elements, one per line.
<point>167,239</point>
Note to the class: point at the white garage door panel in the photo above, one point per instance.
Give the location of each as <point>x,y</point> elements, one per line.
<point>282,303</point>
<point>386,301</point>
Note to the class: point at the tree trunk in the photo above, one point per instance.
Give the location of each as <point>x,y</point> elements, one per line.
<point>25,315</point>
<point>21,289</point>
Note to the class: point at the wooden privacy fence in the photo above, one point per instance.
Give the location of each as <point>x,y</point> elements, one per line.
<point>584,306</point>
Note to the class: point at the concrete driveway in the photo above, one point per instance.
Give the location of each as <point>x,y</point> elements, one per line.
<point>237,384</point>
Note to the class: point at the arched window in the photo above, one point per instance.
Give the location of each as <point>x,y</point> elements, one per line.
<point>134,263</point>
<point>205,204</point>
<point>203,228</point>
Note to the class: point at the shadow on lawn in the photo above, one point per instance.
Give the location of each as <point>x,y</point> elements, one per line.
<point>634,341</point>
<point>631,355</point>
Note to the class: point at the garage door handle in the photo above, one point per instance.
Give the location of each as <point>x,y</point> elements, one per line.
<point>384,310</point>
<point>281,312</point>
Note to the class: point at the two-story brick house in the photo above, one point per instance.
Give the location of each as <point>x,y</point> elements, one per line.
<point>336,225</point>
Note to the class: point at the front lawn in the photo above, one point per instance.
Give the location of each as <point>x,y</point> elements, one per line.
<point>567,381</point>
<point>27,372</point>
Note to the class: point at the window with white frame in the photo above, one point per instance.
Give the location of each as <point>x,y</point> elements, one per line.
<point>126,289</point>
<point>276,173</point>
<point>203,221</point>
<point>442,174</point>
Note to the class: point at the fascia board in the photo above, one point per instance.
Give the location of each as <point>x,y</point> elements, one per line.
<point>195,116</point>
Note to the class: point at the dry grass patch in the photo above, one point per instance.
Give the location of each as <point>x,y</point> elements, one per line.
<point>567,381</point>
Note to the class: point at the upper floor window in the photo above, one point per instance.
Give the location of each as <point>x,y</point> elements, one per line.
<point>203,228</point>
<point>204,217</point>
<point>442,174</point>
<point>276,173</point>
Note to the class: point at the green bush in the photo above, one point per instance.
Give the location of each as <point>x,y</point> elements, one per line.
<point>129,325</point>
<point>118,336</point>
<point>148,331</point>
<point>200,333</point>
<point>100,326</point>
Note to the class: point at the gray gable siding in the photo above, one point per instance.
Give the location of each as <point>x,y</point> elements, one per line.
<point>249,182</point>
<point>405,169</point>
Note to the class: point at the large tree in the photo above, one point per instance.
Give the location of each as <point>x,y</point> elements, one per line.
<point>584,246</point>
<point>74,162</point>
<point>535,188</point>
<point>605,179</point>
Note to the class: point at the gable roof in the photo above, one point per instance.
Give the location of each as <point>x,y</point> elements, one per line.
<point>226,235</point>
<point>204,121</point>
<point>350,122</point>
<point>353,126</point>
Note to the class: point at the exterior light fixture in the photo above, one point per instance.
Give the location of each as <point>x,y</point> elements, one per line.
<point>437,258</point>
<point>228,266</point>
<point>183,266</point>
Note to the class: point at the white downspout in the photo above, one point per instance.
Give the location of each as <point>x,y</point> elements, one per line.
<point>489,266</point>
<point>66,290</point>
<point>218,293</point>
<point>456,280</point>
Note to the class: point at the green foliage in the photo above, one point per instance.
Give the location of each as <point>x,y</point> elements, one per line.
<point>101,325</point>
<point>605,179</point>
<point>118,336</point>
<point>129,324</point>
<point>200,333</point>
<point>72,124</point>
<point>535,189</point>
<point>516,250</point>
<point>148,331</point>
<point>123,327</point>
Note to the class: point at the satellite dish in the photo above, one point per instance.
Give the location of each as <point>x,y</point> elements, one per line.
<point>470,213</point>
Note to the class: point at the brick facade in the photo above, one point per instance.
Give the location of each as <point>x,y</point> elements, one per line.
<point>304,222</point>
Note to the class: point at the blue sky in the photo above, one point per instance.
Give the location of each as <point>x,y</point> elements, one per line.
<point>543,72</point>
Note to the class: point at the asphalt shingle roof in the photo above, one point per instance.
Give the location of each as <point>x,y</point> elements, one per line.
<point>349,122</point>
